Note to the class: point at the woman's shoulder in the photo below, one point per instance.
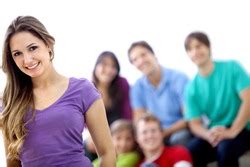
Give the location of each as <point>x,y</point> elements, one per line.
<point>82,85</point>
<point>83,90</point>
<point>81,82</point>
<point>122,82</point>
<point>122,79</point>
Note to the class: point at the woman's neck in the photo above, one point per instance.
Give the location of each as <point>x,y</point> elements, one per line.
<point>154,154</point>
<point>51,77</point>
<point>103,86</point>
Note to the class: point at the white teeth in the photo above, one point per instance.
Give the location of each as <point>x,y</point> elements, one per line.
<point>32,67</point>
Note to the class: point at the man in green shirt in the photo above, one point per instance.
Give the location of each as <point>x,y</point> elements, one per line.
<point>220,92</point>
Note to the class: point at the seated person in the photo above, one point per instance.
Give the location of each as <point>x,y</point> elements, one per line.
<point>221,92</point>
<point>160,92</point>
<point>149,135</point>
<point>114,90</point>
<point>123,139</point>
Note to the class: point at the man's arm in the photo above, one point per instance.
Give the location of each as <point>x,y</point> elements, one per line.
<point>181,124</point>
<point>241,119</point>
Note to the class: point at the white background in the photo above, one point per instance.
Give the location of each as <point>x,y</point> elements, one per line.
<point>83,29</point>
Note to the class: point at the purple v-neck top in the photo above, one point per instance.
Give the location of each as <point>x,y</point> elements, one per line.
<point>55,136</point>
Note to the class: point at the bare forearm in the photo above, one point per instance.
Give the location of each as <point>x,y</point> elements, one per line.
<point>181,124</point>
<point>241,119</point>
<point>197,129</point>
<point>243,115</point>
<point>138,113</point>
<point>108,160</point>
<point>100,134</point>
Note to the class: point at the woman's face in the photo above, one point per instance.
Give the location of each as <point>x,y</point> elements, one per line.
<point>149,136</point>
<point>123,141</point>
<point>143,60</point>
<point>30,54</point>
<point>106,70</point>
<point>198,52</point>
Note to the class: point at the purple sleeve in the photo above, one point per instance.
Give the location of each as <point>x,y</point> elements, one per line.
<point>90,95</point>
<point>126,107</point>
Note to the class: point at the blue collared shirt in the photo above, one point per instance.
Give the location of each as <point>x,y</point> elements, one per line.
<point>164,101</point>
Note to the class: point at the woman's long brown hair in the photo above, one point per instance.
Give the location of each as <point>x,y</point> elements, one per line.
<point>18,94</point>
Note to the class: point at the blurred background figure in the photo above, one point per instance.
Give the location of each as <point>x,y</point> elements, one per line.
<point>149,135</point>
<point>159,91</point>
<point>220,91</point>
<point>122,132</point>
<point>114,90</point>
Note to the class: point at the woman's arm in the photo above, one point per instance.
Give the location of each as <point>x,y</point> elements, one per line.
<point>99,130</point>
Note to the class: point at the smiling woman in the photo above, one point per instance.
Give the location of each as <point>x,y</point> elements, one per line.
<point>32,58</point>
<point>36,97</point>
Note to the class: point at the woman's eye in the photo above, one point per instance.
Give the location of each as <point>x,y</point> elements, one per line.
<point>17,54</point>
<point>32,48</point>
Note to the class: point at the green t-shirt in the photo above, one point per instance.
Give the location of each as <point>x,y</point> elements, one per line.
<point>130,159</point>
<point>217,96</point>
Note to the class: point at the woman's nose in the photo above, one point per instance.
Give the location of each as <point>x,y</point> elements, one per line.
<point>27,58</point>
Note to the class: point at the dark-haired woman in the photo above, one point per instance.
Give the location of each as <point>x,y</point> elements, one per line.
<point>114,90</point>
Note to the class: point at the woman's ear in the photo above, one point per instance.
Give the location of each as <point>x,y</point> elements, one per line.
<point>51,53</point>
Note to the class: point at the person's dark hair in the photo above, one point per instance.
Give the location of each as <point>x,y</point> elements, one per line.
<point>198,35</point>
<point>114,90</point>
<point>143,44</point>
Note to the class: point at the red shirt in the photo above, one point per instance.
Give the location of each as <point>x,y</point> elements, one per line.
<point>171,155</point>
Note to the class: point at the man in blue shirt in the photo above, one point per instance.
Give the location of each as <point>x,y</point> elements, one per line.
<point>160,92</point>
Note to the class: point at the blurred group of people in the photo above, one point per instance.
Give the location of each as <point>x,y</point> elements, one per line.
<point>164,119</point>
<point>207,115</point>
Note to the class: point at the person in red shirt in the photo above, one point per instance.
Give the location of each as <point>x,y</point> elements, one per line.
<point>149,135</point>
